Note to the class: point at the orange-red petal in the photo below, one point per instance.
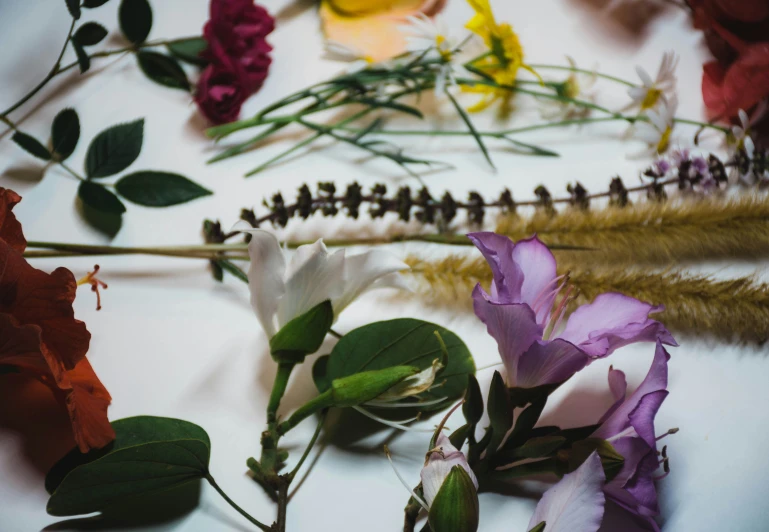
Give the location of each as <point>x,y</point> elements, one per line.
<point>87,403</point>
<point>10,228</point>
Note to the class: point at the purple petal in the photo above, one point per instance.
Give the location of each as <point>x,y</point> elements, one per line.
<point>633,450</point>
<point>498,252</point>
<point>514,327</point>
<point>642,416</point>
<point>641,486</point>
<point>618,388</point>
<point>549,363</point>
<point>576,503</point>
<point>537,263</point>
<point>611,321</point>
<point>656,380</point>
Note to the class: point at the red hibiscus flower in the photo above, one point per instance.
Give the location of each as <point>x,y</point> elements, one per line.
<point>222,88</point>
<point>40,336</point>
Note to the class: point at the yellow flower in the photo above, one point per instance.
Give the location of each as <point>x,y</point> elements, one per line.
<point>505,56</point>
<point>371,26</point>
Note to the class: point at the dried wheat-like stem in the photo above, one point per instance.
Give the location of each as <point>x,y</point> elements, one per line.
<point>655,232</point>
<point>735,309</point>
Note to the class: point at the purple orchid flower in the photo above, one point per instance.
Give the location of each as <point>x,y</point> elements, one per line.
<point>629,426</point>
<point>519,314</point>
<point>576,502</point>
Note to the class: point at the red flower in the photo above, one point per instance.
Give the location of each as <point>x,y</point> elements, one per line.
<point>737,32</point>
<point>239,56</point>
<point>222,88</point>
<point>41,337</point>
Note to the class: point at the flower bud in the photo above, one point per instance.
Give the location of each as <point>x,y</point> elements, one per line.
<point>367,385</point>
<point>455,508</point>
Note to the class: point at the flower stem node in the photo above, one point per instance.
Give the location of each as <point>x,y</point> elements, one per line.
<point>455,508</point>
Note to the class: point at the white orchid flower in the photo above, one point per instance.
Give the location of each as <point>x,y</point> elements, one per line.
<point>280,293</point>
<point>654,91</point>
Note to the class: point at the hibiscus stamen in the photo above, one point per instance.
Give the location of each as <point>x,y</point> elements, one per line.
<point>665,463</point>
<point>557,316</point>
<point>96,284</point>
<point>397,474</point>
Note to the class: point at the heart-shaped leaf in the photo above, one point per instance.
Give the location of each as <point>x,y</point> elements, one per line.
<point>114,149</point>
<point>135,17</point>
<point>163,70</point>
<point>401,342</point>
<point>89,34</point>
<point>159,189</point>
<point>65,132</point>
<point>31,145</point>
<point>150,454</point>
<point>98,197</point>
<point>189,50</point>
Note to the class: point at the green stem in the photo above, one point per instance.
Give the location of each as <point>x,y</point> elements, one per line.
<point>240,510</point>
<point>583,71</point>
<point>309,446</point>
<point>316,404</point>
<point>71,171</point>
<point>278,389</point>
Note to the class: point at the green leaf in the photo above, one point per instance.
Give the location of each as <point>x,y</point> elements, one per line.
<point>320,373</point>
<point>535,150</point>
<point>534,448</point>
<point>114,149</point>
<point>159,189</point>
<point>521,397</point>
<point>65,132</point>
<point>150,454</point>
<point>135,18</point>
<point>189,50</point>
<point>92,4</point>
<point>163,70</point>
<point>525,422</point>
<point>303,335</point>
<point>73,6</point>
<point>459,436</point>
<point>469,123</point>
<point>89,34</point>
<point>83,61</point>
<point>98,197</point>
<point>403,342</point>
<point>500,411</point>
<point>229,267</point>
<point>31,145</point>
<point>539,528</point>
<point>472,408</point>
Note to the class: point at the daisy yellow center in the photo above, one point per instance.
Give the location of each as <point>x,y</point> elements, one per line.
<point>367,7</point>
<point>651,98</point>
<point>664,143</point>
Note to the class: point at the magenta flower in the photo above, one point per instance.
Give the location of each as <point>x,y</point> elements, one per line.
<point>629,426</point>
<point>241,27</point>
<point>519,314</point>
<point>222,88</point>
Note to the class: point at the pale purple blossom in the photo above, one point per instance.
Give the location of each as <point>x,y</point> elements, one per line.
<point>522,316</point>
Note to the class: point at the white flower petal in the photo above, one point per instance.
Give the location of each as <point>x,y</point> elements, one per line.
<point>744,120</point>
<point>266,277</point>
<point>646,79</point>
<point>361,273</point>
<point>439,466</point>
<point>750,147</point>
<point>313,277</point>
<point>576,503</point>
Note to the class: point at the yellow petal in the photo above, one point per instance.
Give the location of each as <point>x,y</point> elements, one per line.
<point>371,26</point>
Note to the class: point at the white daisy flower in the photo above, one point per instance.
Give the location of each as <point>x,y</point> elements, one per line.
<point>577,85</point>
<point>651,92</point>
<point>431,37</point>
<point>657,132</point>
<point>357,59</point>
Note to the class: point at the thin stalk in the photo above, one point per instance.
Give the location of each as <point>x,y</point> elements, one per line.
<point>583,71</point>
<point>54,71</point>
<point>240,510</point>
<point>278,389</point>
<point>309,446</point>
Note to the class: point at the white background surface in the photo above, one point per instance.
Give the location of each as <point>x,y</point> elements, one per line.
<point>172,342</point>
